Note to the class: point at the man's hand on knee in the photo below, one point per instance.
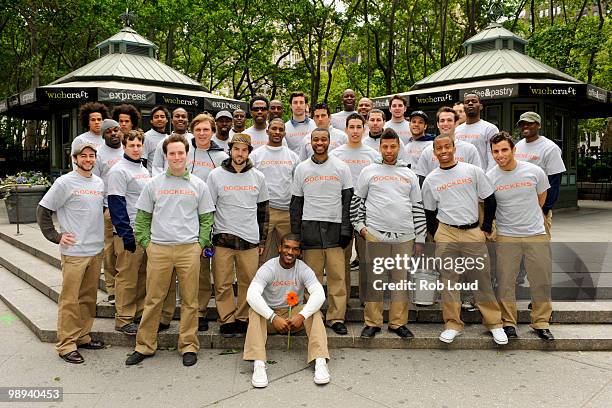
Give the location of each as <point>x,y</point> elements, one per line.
<point>296,322</point>
<point>280,324</point>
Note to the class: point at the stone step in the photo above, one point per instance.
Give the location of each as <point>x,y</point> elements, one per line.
<point>39,313</point>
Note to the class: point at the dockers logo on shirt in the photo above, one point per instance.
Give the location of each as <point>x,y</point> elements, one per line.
<point>297,133</point>
<point>314,179</point>
<point>200,163</point>
<point>357,162</point>
<point>454,183</point>
<point>514,185</point>
<point>176,191</point>
<point>434,159</point>
<point>239,188</point>
<point>141,176</point>
<point>468,136</point>
<point>527,156</point>
<point>291,282</point>
<point>274,163</point>
<point>112,162</point>
<point>392,179</point>
<point>84,191</point>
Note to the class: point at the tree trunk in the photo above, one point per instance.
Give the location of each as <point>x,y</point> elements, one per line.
<point>170,46</point>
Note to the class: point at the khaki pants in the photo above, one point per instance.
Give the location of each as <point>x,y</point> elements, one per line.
<point>223,274</point>
<point>360,248</point>
<point>130,283</point>
<point>548,224</point>
<point>76,305</point>
<point>257,335</point>
<point>110,259</point>
<point>535,250</point>
<point>204,287</point>
<point>332,261</point>
<point>398,309</point>
<point>348,253</point>
<point>278,227</point>
<point>161,260</point>
<point>170,302</point>
<point>453,243</point>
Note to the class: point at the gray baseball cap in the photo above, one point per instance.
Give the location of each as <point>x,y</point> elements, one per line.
<point>223,114</point>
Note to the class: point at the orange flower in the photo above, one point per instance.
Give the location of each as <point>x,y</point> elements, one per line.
<point>292,299</point>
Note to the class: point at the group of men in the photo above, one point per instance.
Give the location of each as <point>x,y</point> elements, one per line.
<point>214,197</point>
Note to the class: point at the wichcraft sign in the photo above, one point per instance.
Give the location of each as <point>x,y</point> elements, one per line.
<point>491,92</point>
<point>67,95</point>
<point>552,90</point>
<point>179,100</point>
<point>382,103</point>
<point>126,96</point>
<point>434,98</point>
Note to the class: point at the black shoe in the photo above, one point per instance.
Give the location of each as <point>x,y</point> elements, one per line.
<point>227,330</point>
<point>74,357</point>
<point>92,345</point>
<point>339,328</point>
<point>369,332</point>
<point>355,264</point>
<point>135,358</point>
<point>202,324</point>
<point>138,319</point>
<point>130,329</point>
<point>402,331</point>
<point>163,327</point>
<point>111,299</point>
<point>544,334</point>
<point>510,332</point>
<point>529,306</point>
<point>240,328</point>
<point>190,359</point>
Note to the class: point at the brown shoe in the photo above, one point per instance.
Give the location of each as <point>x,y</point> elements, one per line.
<point>74,357</point>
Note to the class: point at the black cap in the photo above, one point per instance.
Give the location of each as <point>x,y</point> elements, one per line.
<point>420,114</point>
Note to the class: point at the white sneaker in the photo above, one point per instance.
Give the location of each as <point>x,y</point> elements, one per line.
<point>260,378</point>
<point>499,335</point>
<point>321,375</point>
<point>448,335</point>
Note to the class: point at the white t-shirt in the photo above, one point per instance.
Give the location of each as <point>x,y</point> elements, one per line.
<point>295,132</point>
<point>428,162</point>
<point>176,204</point>
<point>106,158</point>
<point>337,139</point>
<point>87,137</point>
<point>236,196</point>
<point>455,192</point>
<point>414,149</point>
<point>152,139</point>
<point>221,143</point>
<point>277,281</point>
<point>201,162</point>
<point>356,158</point>
<point>258,137</point>
<point>401,128</point>
<point>128,179</point>
<point>479,134</point>
<point>542,152</point>
<point>338,119</point>
<point>374,143</point>
<point>389,193</point>
<point>321,186</point>
<point>159,159</point>
<point>277,165</point>
<point>518,212</point>
<point>78,203</point>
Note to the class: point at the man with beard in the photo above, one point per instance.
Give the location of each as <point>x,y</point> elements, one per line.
<point>338,119</point>
<point>276,109</point>
<point>221,137</point>
<point>91,114</point>
<point>376,123</point>
<point>173,224</point>
<point>127,116</point>
<point>259,112</point>
<point>477,131</point>
<point>159,121</point>
<point>77,198</point>
<point>238,122</point>
<point>322,120</point>
<point>240,195</point>
<point>277,163</point>
<point>300,125</point>
<point>319,211</point>
<point>388,187</point>
<point>397,107</point>
<point>267,297</point>
<point>450,197</point>
<point>126,180</point>
<point>418,140</point>
<point>107,156</point>
<point>180,123</point>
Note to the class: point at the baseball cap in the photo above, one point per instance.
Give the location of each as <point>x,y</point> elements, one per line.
<point>529,117</point>
<point>82,146</point>
<point>420,114</point>
<point>108,124</point>
<point>241,138</point>
<point>223,114</point>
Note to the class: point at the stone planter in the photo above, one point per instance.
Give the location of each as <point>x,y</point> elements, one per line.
<point>27,197</point>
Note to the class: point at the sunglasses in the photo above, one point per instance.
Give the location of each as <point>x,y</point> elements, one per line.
<point>259,109</point>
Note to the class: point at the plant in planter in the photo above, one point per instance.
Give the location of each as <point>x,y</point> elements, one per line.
<point>21,194</point>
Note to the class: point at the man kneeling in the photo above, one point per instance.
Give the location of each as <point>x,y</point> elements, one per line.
<point>267,296</point>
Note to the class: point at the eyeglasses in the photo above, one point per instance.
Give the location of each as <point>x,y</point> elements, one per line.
<point>259,108</point>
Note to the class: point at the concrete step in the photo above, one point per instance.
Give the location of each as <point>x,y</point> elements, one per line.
<point>39,313</point>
